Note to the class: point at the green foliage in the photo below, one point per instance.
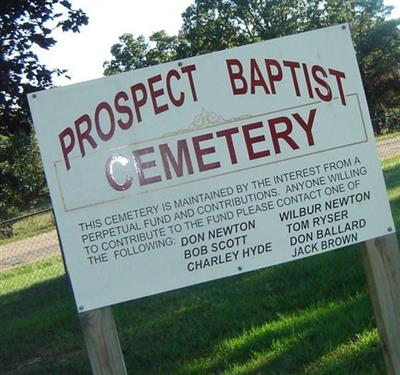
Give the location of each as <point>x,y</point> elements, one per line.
<point>129,54</point>
<point>219,24</point>
<point>134,53</point>
<point>22,182</point>
<point>28,227</point>
<point>24,24</point>
<point>378,48</point>
<point>377,40</point>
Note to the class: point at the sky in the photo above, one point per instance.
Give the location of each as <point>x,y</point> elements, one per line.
<point>84,53</point>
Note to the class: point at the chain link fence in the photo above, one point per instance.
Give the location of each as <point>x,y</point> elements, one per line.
<point>33,290</point>
<point>27,239</point>
<point>16,250</point>
<point>388,148</point>
<point>29,252</point>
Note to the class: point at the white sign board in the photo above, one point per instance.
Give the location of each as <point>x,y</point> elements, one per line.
<point>219,164</point>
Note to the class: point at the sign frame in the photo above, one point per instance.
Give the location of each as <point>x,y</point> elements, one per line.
<point>380,252</point>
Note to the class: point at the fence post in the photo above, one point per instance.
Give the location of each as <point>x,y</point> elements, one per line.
<point>102,342</point>
<point>381,259</point>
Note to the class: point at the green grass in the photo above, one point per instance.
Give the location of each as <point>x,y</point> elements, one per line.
<point>29,227</point>
<point>310,317</point>
<point>392,178</point>
<point>28,276</point>
<point>388,136</point>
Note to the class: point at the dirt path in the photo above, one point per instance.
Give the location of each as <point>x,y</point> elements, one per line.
<point>29,250</point>
<point>388,148</point>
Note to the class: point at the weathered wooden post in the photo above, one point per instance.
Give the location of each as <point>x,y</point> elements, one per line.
<point>102,342</point>
<point>381,258</point>
<point>100,334</point>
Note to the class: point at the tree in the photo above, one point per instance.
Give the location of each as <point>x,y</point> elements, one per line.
<point>24,24</point>
<point>135,53</point>
<point>379,58</point>
<point>22,184</point>
<point>129,54</point>
<point>219,24</point>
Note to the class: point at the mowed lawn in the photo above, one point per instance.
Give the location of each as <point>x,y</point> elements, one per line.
<point>312,316</point>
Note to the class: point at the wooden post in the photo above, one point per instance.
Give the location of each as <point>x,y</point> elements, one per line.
<point>102,342</point>
<point>381,258</point>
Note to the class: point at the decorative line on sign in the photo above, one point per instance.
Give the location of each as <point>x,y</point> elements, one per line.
<point>205,119</point>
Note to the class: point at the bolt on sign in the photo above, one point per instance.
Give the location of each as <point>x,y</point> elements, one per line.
<point>210,166</point>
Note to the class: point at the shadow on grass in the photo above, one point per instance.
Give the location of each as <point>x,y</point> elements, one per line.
<point>40,329</point>
<point>306,317</point>
<point>282,320</point>
<point>311,316</point>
